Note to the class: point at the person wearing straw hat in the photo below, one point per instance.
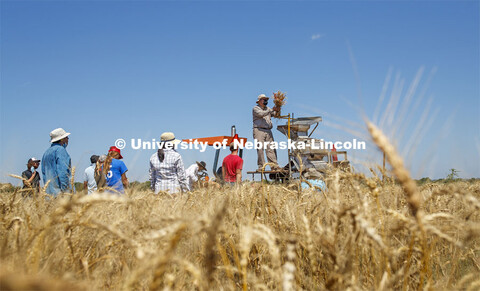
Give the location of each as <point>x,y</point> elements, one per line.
<point>167,172</point>
<point>115,170</point>
<point>192,173</point>
<point>56,163</point>
<point>262,130</point>
<point>32,178</point>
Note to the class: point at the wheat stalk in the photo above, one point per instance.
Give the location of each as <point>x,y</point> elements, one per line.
<point>402,174</point>
<point>161,265</point>
<point>210,256</point>
<point>72,180</point>
<point>289,267</point>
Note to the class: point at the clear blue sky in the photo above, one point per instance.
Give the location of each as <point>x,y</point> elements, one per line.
<point>104,70</point>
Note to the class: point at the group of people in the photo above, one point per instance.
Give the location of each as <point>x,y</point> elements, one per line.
<point>167,172</point>
<point>108,172</point>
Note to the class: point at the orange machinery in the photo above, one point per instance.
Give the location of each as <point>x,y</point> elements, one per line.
<point>219,139</point>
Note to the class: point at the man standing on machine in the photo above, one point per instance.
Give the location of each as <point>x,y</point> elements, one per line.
<point>262,131</point>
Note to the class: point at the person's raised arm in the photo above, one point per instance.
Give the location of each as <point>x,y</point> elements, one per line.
<point>260,113</point>
<point>30,180</point>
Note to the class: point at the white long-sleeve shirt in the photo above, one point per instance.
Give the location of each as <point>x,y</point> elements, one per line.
<point>191,173</point>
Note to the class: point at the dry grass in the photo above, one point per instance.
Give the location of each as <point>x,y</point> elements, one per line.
<point>360,235</point>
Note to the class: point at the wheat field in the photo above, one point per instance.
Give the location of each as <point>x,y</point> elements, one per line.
<point>359,235</point>
<point>382,232</point>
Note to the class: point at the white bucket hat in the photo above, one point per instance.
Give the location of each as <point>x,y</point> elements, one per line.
<point>58,134</point>
<point>169,137</point>
<point>261,96</point>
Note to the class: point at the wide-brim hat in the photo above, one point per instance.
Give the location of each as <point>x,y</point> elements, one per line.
<point>169,137</point>
<point>58,134</point>
<point>262,96</point>
<point>202,165</point>
<point>115,149</point>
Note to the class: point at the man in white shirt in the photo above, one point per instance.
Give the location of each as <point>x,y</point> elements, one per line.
<point>89,177</point>
<point>192,173</point>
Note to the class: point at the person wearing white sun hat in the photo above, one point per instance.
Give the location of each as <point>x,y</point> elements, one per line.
<point>167,172</point>
<point>56,163</point>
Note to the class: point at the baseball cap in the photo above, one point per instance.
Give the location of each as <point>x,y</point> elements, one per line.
<point>33,159</point>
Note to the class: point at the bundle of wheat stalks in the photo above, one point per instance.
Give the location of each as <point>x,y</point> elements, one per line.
<point>279,99</point>
<point>363,233</point>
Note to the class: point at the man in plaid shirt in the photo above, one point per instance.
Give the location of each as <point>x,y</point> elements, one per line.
<point>167,172</point>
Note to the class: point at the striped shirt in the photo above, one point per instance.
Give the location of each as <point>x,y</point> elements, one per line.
<point>168,175</point>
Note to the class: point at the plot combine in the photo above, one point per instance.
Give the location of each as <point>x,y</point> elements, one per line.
<point>307,152</point>
<point>314,153</point>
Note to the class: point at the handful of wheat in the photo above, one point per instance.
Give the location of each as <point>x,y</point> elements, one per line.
<point>279,100</point>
